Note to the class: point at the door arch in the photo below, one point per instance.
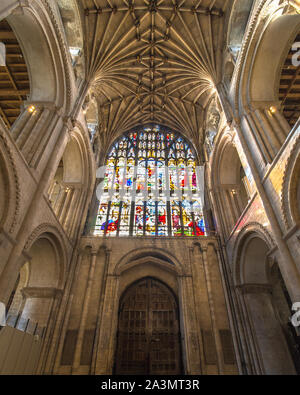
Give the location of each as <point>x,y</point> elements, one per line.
<point>148,338</point>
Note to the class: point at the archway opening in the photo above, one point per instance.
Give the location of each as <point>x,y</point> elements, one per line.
<point>234,187</point>
<point>267,309</point>
<point>30,303</point>
<point>148,330</point>
<point>68,184</point>
<point>14,83</point>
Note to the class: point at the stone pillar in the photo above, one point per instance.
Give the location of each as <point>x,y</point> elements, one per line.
<point>287,264</point>
<point>267,342</point>
<point>62,322</point>
<point>103,266</point>
<point>191,351</point>
<point>109,321</point>
<point>211,303</point>
<point>6,283</point>
<point>84,312</point>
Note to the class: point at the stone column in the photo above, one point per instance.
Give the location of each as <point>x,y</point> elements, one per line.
<point>211,302</point>
<point>287,264</point>
<point>191,351</point>
<point>54,357</point>
<point>109,321</point>
<point>268,344</point>
<point>102,282</point>
<point>84,312</point>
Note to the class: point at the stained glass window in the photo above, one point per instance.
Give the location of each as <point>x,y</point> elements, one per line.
<point>151,187</point>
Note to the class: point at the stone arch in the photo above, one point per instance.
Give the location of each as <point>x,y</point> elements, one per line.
<point>228,177</point>
<point>266,340</point>
<point>290,193</point>
<point>42,278</point>
<point>264,77</point>
<point>73,180</point>
<point>9,188</point>
<point>47,63</point>
<point>257,79</point>
<point>158,256</point>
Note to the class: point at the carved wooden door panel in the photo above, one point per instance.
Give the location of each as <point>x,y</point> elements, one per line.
<point>148,331</point>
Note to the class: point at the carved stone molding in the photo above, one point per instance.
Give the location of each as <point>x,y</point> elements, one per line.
<point>254,288</point>
<point>41,292</point>
<point>16,190</point>
<point>287,175</point>
<point>43,228</point>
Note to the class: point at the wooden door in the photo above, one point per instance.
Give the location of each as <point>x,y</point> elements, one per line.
<point>148,331</point>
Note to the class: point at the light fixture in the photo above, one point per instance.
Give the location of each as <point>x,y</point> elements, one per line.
<point>272,109</point>
<point>233,191</point>
<point>31,108</point>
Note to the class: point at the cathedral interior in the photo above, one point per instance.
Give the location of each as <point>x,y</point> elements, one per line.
<point>149,187</point>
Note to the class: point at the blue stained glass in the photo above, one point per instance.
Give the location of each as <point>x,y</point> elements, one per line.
<point>163,160</point>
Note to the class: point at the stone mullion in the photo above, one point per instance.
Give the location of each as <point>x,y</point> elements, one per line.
<point>107,217</point>
<point>168,199</point>
<point>119,217</point>
<point>134,198</point>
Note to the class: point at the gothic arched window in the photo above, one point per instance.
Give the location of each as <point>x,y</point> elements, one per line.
<point>151,187</point>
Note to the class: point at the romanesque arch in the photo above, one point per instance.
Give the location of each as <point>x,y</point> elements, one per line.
<point>39,282</point>
<point>261,302</point>
<point>230,181</point>
<point>73,180</point>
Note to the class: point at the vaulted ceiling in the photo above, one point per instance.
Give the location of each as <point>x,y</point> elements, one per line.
<point>153,61</point>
